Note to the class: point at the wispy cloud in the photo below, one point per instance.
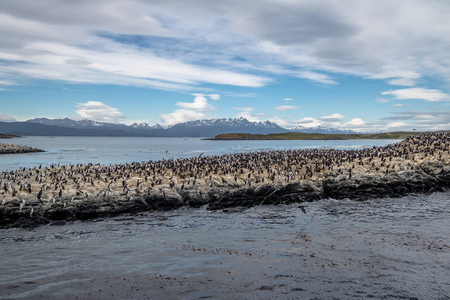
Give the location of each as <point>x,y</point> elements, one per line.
<point>332,118</point>
<point>318,77</point>
<point>418,93</point>
<point>129,42</point>
<point>244,108</point>
<point>382,100</point>
<point>283,108</point>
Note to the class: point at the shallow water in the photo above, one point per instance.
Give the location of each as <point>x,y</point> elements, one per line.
<point>113,150</point>
<point>382,249</point>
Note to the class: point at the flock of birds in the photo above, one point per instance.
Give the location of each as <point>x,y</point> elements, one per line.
<point>66,184</point>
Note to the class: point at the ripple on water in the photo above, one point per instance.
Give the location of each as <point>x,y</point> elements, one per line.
<point>382,248</point>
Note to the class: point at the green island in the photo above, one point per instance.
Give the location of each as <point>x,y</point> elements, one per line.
<point>396,135</point>
<point>8,136</point>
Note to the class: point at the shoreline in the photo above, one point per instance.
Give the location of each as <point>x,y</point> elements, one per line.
<point>395,135</point>
<point>17,149</point>
<point>60,194</point>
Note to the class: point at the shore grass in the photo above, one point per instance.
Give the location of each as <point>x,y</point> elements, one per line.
<point>396,135</point>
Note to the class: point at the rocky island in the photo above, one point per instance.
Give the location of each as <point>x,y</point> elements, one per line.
<point>57,194</point>
<point>14,149</point>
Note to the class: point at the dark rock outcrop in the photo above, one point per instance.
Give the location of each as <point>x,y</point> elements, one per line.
<point>14,149</point>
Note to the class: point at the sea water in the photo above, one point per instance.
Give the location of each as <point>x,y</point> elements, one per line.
<point>114,150</point>
<point>380,249</point>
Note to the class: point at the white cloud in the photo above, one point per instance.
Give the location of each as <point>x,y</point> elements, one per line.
<point>197,110</point>
<point>308,39</point>
<point>200,103</point>
<point>307,122</point>
<point>402,81</point>
<point>431,119</point>
<point>248,109</point>
<point>382,100</point>
<point>6,118</point>
<point>332,118</point>
<point>396,124</point>
<point>280,122</point>
<point>287,99</point>
<point>418,93</point>
<point>399,105</point>
<point>314,76</point>
<point>397,76</point>
<point>122,65</point>
<point>98,111</point>
<point>252,117</point>
<point>356,122</point>
<point>215,97</point>
<point>284,108</point>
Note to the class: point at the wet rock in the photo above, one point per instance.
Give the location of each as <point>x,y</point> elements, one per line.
<point>58,223</point>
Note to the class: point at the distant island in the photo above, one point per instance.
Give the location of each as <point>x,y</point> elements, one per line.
<point>14,149</point>
<point>397,135</point>
<point>8,136</point>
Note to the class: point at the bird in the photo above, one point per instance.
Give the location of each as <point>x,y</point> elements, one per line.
<point>302,208</point>
<point>22,204</point>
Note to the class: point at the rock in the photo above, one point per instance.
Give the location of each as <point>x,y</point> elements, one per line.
<point>11,148</point>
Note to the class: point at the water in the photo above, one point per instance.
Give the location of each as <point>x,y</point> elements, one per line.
<point>106,150</point>
<point>381,249</point>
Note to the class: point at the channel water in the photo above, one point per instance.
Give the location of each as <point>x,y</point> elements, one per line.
<point>382,248</point>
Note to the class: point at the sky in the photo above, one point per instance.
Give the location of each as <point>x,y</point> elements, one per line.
<point>348,64</point>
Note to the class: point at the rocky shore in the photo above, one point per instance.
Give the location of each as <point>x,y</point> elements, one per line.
<point>14,149</point>
<point>58,194</point>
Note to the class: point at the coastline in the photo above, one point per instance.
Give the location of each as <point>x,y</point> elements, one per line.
<point>16,149</point>
<point>60,194</point>
<point>395,135</point>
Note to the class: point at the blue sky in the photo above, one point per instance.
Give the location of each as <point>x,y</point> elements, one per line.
<point>352,64</point>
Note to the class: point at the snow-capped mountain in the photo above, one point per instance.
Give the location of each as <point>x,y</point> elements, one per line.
<point>320,129</point>
<point>219,126</point>
<point>66,122</point>
<point>202,128</point>
<point>146,126</point>
<point>238,123</point>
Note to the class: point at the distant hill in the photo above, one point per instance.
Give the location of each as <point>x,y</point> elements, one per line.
<point>200,128</point>
<point>398,135</point>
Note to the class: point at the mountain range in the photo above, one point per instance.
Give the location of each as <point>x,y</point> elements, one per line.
<point>199,128</point>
